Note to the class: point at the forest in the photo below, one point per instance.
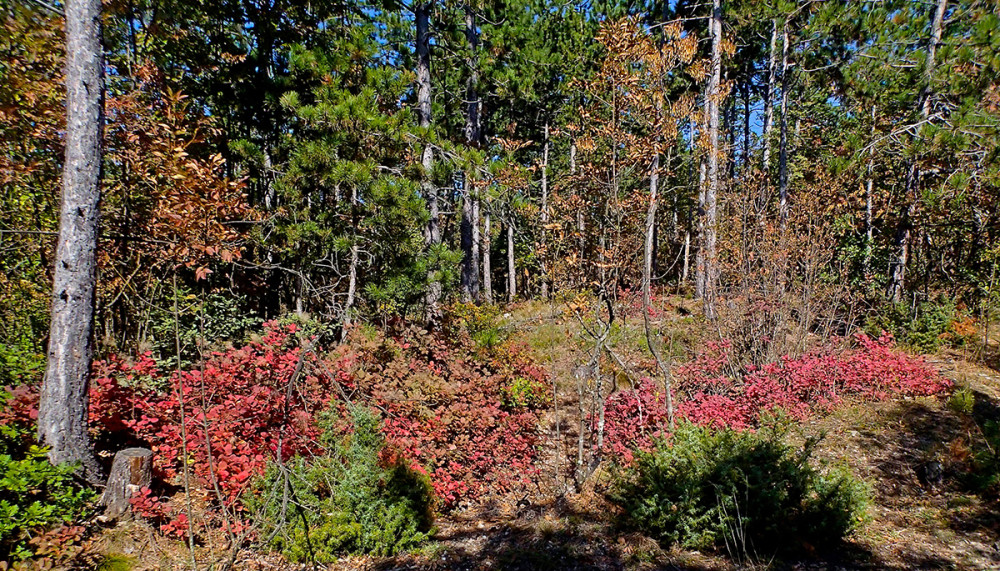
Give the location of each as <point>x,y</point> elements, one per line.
<point>499,284</point>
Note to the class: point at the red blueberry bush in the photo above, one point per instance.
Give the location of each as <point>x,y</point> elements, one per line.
<point>709,394</point>
<point>442,403</point>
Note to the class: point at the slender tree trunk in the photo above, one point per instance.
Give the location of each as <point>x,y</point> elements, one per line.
<point>699,257</point>
<point>937,28</point>
<point>62,410</point>
<point>647,285</point>
<point>772,72</point>
<point>470,261</point>
<point>470,266</point>
<point>581,241</point>
<point>511,272</point>
<point>545,212</point>
<point>783,144</point>
<point>487,270</point>
<point>476,251</point>
<point>729,128</point>
<point>746,126</point>
<point>712,187</point>
<point>687,256</point>
<point>897,281</point>
<point>352,280</point>
<point>432,234</point>
<point>869,227</point>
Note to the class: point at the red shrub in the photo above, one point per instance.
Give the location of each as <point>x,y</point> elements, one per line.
<point>442,407</point>
<point>445,410</point>
<point>798,386</point>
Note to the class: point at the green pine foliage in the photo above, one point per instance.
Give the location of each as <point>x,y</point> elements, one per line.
<point>750,493</point>
<point>357,498</point>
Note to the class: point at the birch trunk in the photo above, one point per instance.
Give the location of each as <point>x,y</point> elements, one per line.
<point>647,284</point>
<point>783,144</point>
<point>712,186</point>
<point>511,272</point>
<point>545,212</point>
<point>772,72</point>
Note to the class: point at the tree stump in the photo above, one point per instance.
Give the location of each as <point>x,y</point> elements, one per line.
<point>131,470</point>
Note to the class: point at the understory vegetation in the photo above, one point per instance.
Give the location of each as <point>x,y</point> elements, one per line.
<point>749,493</point>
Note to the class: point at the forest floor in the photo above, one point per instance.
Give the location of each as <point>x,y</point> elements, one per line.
<point>919,517</point>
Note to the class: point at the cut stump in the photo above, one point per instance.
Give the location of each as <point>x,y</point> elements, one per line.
<point>131,470</point>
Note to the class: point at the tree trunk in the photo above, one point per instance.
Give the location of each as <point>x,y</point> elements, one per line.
<point>545,213</point>
<point>487,270</point>
<point>712,187</point>
<point>647,285</point>
<point>511,272</point>
<point>470,250</point>
<point>869,228</point>
<point>476,251</point>
<point>772,72</point>
<point>62,410</point>
<point>131,470</point>
<point>746,126</point>
<point>783,144</point>
<point>432,234</point>
<point>470,266</point>
<point>699,257</point>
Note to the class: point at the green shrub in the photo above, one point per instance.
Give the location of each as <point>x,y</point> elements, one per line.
<point>983,475</point>
<point>20,364</point>
<point>34,494</point>
<point>225,319</point>
<point>357,498</point>
<point>925,328</point>
<point>522,392</point>
<point>483,322</point>
<point>962,401</point>
<point>743,491</point>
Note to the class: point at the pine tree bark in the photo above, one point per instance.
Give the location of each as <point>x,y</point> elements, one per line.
<point>62,410</point>
<point>470,250</point>
<point>432,234</point>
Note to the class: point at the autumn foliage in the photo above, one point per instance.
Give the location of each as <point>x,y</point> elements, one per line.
<point>443,408</point>
<point>711,394</point>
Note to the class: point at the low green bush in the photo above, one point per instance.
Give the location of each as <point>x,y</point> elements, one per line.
<point>748,493</point>
<point>20,364</point>
<point>34,494</point>
<point>483,323</point>
<point>983,472</point>
<point>926,327</point>
<point>357,498</point>
<point>522,392</point>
